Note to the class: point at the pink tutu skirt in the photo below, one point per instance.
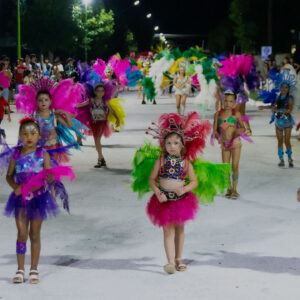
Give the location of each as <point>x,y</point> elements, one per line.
<point>172,212</point>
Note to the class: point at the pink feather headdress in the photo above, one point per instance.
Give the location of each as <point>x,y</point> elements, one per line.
<point>190,128</point>
<point>64,95</point>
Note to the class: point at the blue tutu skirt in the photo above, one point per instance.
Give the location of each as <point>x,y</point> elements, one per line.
<point>284,122</point>
<point>40,207</point>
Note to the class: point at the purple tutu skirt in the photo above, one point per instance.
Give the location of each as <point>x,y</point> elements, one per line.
<point>40,207</point>
<point>172,212</point>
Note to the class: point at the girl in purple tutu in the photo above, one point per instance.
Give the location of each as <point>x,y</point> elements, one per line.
<point>173,203</point>
<point>32,179</point>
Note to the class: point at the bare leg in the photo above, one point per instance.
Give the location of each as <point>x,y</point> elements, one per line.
<point>179,240</point>
<point>169,243</point>
<point>98,147</point>
<point>287,141</point>
<point>139,91</point>
<point>183,103</point>
<point>178,102</point>
<point>236,154</point>
<point>279,135</point>
<point>287,138</point>
<point>22,227</point>
<point>226,156</point>
<point>35,240</point>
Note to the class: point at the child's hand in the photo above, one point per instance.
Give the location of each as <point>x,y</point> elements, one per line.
<point>179,191</point>
<point>17,191</point>
<point>298,195</point>
<point>261,107</point>
<point>161,197</point>
<point>9,119</point>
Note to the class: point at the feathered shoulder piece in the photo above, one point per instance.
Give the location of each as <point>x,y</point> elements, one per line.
<point>192,130</point>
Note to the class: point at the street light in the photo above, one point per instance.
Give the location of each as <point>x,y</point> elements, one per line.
<point>156,28</point>
<point>136,3</point>
<point>149,16</point>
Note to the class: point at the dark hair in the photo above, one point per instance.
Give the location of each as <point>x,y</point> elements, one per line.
<point>43,93</point>
<point>1,88</point>
<point>63,74</point>
<point>26,122</point>
<point>99,85</point>
<point>32,55</point>
<point>75,76</point>
<point>26,73</point>
<point>1,66</point>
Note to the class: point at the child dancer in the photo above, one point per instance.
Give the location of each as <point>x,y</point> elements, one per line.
<point>182,84</point>
<point>173,203</point>
<point>3,104</point>
<point>176,172</point>
<point>282,107</point>
<point>52,108</point>
<point>31,201</point>
<point>98,118</point>
<point>227,132</point>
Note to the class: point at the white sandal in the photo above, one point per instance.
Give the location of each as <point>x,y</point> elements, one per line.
<point>180,267</point>
<point>33,277</point>
<point>19,277</point>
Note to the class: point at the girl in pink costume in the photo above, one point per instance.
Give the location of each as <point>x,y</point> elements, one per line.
<point>173,203</point>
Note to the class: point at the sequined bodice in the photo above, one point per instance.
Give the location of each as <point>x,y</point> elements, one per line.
<point>45,124</point>
<point>28,165</point>
<point>172,168</point>
<point>99,112</point>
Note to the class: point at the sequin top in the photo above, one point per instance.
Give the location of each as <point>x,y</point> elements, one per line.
<point>172,167</point>
<point>45,124</point>
<point>28,165</point>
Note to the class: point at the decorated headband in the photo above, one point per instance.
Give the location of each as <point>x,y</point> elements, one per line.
<point>43,85</point>
<point>288,78</point>
<point>109,69</point>
<point>229,92</point>
<point>192,130</point>
<point>31,120</point>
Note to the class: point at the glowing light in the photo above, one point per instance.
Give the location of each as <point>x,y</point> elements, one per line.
<point>149,16</point>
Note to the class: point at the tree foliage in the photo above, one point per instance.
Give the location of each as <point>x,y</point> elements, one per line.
<point>92,29</point>
<point>245,27</point>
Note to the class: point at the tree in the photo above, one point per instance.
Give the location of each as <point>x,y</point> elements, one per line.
<point>93,29</point>
<point>131,42</point>
<point>220,37</point>
<point>249,20</point>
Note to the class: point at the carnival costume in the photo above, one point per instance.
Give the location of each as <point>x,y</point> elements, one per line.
<point>36,200</point>
<point>64,96</point>
<point>282,120</point>
<point>238,73</point>
<point>211,177</point>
